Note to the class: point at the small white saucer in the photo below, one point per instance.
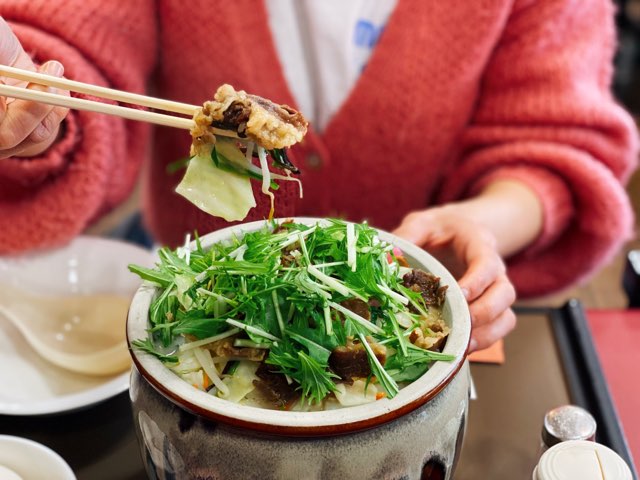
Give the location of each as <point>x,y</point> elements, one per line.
<point>32,460</point>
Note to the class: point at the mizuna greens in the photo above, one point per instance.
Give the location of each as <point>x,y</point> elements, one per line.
<point>294,306</point>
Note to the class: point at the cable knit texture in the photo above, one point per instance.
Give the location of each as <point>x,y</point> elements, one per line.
<point>455,95</point>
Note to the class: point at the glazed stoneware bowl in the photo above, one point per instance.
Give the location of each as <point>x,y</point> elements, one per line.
<point>186,433</point>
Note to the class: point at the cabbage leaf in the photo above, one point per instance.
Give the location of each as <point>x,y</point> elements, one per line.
<point>216,191</point>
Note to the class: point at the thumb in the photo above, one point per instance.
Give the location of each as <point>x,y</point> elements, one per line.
<point>421,228</point>
<point>12,54</point>
<point>10,47</point>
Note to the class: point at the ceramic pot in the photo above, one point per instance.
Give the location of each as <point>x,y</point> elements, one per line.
<point>186,433</point>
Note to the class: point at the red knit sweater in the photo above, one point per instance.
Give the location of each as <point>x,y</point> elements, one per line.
<point>456,93</point>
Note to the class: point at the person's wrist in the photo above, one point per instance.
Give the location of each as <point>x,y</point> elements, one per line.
<point>508,209</point>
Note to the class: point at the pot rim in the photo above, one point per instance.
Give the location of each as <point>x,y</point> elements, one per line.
<point>331,422</point>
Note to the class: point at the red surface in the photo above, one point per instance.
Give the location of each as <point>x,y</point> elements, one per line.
<point>616,334</point>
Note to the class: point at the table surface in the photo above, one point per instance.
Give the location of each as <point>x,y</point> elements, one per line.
<point>502,438</point>
<point>503,434</point>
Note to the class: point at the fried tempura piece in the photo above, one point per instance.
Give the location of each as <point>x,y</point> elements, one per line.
<point>268,124</point>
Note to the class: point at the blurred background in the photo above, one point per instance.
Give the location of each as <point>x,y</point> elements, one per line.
<point>627,79</point>
<point>605,289</point>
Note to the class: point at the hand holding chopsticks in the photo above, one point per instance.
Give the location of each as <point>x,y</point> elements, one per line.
<point>101,92</point>
<point>95,106</point>
<point>28,128</point>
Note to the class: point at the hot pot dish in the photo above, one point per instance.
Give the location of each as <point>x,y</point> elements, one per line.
<point>299,348</point>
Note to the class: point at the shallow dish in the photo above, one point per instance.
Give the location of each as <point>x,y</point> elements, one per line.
<point>32,460</point>
<point>423,423</point>
<point>32,385</point>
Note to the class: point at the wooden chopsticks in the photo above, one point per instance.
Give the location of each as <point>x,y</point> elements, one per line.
<point>100,107</point>
<point>89,105</point>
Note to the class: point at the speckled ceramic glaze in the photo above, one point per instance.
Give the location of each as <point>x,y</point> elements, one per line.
<point>185,433</point>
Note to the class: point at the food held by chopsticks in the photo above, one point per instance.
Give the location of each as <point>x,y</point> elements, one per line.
<point>257,119</point>
<point>218,175</point>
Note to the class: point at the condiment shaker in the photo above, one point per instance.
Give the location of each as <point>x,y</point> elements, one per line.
<point>568,422</point>
<point>583,460</point>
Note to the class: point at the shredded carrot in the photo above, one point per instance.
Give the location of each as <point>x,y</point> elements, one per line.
<point>206,381</point>
<point>399,256</point>
<point>289,405</point>
<point>380,395</point>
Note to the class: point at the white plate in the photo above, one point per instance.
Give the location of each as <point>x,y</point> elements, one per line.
<point>32,460</point>
<point>30,384</point>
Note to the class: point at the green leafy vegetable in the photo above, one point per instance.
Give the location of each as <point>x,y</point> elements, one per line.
<point>216,191</point>
<point>147,346</point>
<point>286,289</point>
<point>315,380</point>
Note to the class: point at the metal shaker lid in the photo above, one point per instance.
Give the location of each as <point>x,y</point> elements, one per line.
<point>568,422</point>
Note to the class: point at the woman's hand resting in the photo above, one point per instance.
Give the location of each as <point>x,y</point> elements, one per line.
<point>469,251</point>
<point>26,128</point>
<point>470,238</point>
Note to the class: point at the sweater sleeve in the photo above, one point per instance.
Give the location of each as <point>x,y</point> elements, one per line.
<point>47,200</point>
<point>545,116</point>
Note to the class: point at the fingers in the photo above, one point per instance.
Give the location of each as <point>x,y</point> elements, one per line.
<point>21,118</point>
<point>10,47</point>
<point>12,54</point>
<point>49,126</point>
<point>493,302</point>
<point>41,138</point>
<point>486,335</point>
<point>29,148</point>
<point>483,277</point>
<point>484,264</point>
<point>490,295</point>
<point>473,246</point>
<point>418,228</point>
<point>25,125</point>
<point>26,128</point>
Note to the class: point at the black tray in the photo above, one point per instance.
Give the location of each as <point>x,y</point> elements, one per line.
<point>550,361</point>
<point>585,378</point>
